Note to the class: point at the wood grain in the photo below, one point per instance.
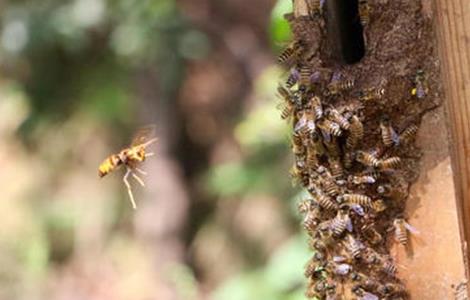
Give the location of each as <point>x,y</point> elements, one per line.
<point>452,23</point>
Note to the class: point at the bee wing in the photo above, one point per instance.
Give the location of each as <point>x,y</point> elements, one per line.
<point>395,136</point>
<point>339,259</point>
<point>143,134</point>
<point>369,296</point>
<point>343,269</point>
<point>358,209</point>
<point>411,228</point>
<point>349,225</point>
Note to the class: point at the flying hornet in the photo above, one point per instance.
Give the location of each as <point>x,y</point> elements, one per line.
<point>130,157</point>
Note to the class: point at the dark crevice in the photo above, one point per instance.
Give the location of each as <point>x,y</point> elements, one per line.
<point>345,31</point>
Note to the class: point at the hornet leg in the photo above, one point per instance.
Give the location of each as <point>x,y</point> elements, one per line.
<point>129,189</point>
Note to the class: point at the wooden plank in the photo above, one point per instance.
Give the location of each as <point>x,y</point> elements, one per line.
<point>452,23</point>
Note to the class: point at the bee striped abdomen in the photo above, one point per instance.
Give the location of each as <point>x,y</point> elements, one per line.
<point>109,165</point>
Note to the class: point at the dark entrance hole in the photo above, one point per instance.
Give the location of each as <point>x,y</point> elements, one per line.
<point>345,31</point>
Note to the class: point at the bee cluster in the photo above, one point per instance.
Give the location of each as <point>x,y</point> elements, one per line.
<point>353,132</point>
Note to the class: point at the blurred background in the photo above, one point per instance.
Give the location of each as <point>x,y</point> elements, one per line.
<point>217,219</point>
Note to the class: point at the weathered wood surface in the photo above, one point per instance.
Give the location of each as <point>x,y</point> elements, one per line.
<point>452,23</point>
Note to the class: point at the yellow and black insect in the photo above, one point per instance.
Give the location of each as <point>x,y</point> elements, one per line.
<point>389,135</point>
<point>408,134</point>
<point>130,157</point>
<point>364,12</point>
<point>367,159</point>
<point>356,133</point>
<point>288,54</point>
<point>401,230</point>
<point>421,88</point>
<point>371,94</point>
<point>389,163</point>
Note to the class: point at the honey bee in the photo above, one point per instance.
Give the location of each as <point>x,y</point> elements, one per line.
<point>325,201</point>
<point>348,159</point>
<point>364,281</point>
<point>312,219</point>
<point>342,221</point>
<point>356,133</point>
<point>364,12</point>
<point>336,167</point>
<point>389,191</point>
<point>389,135</point>
<point>130,157</point>
<point>330,187</point>
<point>297,144</point>
<point>317,107</point>
<point>306,124</point>
<point>329,127</point>
<point>338,84</point>
<point>304,78</point>
<point>362,179</point>
<point>299,175</point>
<point>287,106</point>
<point>318,244</point>
<point>401,230</point>
<point>353,246</point>
<point>371,94</point>
<point>395,289</point>
<point>388,267</point>
<point>312,159</point>
<point>368,159</point>
<point>360,199</point>
<point>408,134</point>
<point>421,88</point>
<point>389,163</point>
<point>363,294</point>
<point>292,78</point>
<point>338,118</point>
<point>293,50</point>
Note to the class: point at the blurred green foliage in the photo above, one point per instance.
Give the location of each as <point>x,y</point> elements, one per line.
<point>279,28</point>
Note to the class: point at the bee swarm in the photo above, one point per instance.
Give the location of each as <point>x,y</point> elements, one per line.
<point>353,131</point>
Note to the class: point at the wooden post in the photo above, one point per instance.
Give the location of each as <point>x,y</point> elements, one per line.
<point>452,23</point>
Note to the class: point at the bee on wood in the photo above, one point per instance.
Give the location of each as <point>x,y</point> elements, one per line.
<point>338,118</point>
<point>401,230</point>
<point>364,281</point>
<point>389,135</point>
<point>338,84</point>
<point>371,94</point>
<point>364,12</point>
<point>336,167</point>
<point>395,289</point>
<point>130,157</point>
<point>329,127</point>
<point>304,78</point>
<point>356,133</point>
<point>311,220</point>
<point>348,159</point>
<point>292,79</point>
<point>316,107</point>
<point>306,123</point>
<point>353,246</point>
<point>292,51</point>
<point>342,221</point>
<point>363,294</point>
<point>389,163</point>
<point>362,179</point>
<point>368,159</point>
<point>390,191</point>
<point>408,134</point>
<point>421,89</point>
<point>287,106</point>
<point>325,201</point>
<point>297,144</point>
<point>360,199</point>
